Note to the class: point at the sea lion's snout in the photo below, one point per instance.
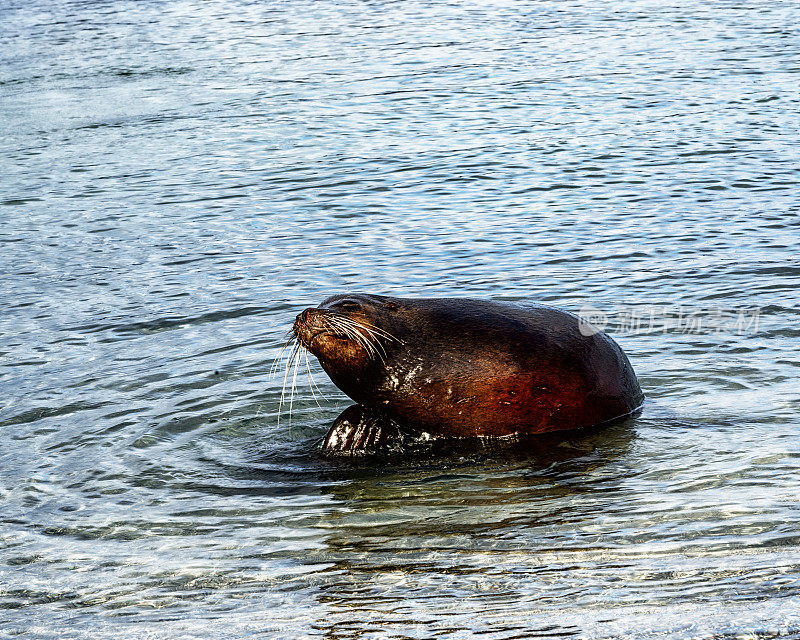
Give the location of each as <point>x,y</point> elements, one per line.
<point>333,337</point>
<point>306,326</point>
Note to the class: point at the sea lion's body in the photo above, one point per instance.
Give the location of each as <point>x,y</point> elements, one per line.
<point>458,368</point>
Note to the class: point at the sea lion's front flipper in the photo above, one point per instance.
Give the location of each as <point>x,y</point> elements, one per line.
<point>361,431</point>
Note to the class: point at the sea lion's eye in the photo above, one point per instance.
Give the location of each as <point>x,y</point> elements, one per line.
<point>348,305</point>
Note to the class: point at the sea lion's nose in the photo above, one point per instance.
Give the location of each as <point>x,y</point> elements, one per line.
<point>303,327</point>
<point>303,318</point>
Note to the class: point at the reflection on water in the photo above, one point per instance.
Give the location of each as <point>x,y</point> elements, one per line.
<point>180,180</point>
<point>587,528</point>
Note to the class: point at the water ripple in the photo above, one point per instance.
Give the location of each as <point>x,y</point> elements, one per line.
<point>180,180</point>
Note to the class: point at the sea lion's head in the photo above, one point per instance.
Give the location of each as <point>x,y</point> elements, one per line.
<point>352,335</point>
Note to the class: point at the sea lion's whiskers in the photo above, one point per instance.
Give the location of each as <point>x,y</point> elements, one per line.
<point>289,360</point>
<point>369,336</point>
<point>274,368</point>
<point>355,327</point>
<point>374,349</point>
<point>311,382</point>
<point>353,332</point>
<point>336,326</point>
<point>362,340</point>
<point>296,364</point>
<point>333,324</point>
<point>372,330</point>
<point>381,332</point>
<point>374,340</point>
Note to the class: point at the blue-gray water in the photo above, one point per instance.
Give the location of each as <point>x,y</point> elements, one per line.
<point>179,179</point>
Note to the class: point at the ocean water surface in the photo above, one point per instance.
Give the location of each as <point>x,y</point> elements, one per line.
<point>180,179</point>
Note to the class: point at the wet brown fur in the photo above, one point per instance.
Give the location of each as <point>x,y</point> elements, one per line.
<point>460,367</point>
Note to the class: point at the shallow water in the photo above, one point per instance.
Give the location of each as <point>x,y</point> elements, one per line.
<point>180,179</point>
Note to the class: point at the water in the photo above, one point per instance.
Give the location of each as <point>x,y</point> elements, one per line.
<point>180,179</point>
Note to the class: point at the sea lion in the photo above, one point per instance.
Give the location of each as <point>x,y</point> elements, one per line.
<point>457,368</point>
